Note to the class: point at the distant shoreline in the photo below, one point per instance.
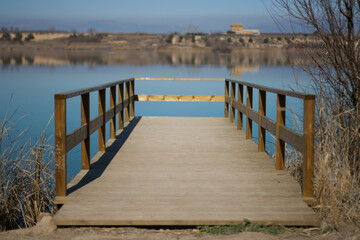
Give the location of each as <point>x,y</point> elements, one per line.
<point>225,43</point>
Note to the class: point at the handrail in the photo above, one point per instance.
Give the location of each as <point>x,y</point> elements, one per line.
<point>64,141</point>
<point>302,142</point>
<point>126,97</point>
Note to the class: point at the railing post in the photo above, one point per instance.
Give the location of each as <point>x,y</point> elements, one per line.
<point>227,83</point>
<point>249,105</point>
<point>232,112</point>
<point>308,153</point>
<point>113,105</point>
<point>127,97</point>
<point>121,100</point>
<point>132,91</point>
<point>102,95</point>
<point>262,112</point>
<point>280,121</point>
<point>85,120</point>
<point>60,145</point>
<point>240,101</point>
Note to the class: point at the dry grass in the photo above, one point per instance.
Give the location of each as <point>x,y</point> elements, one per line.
<point>337,169</point>
<point>26,177</point>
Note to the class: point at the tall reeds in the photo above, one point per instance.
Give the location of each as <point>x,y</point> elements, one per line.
<point>26,177</point>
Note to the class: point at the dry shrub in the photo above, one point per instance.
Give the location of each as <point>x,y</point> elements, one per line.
<point>26,177</point>
<point>335,71</point>
<point>337,175</point>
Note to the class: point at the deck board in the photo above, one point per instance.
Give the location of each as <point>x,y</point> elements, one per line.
<point>187,171</point>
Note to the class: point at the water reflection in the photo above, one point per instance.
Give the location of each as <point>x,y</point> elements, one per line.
<point>237,63</point>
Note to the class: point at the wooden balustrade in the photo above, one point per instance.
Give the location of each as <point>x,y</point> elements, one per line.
<point>64,142</point>
<point>121,105</point>
<point>301,142</point>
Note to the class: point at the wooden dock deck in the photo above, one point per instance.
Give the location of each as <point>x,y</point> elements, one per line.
<point>183,171</point>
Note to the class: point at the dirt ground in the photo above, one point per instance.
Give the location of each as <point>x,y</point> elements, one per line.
<point>46,230</point>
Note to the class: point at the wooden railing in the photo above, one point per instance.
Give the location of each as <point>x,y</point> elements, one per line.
<point>301,142</point>
<point>64,141</point>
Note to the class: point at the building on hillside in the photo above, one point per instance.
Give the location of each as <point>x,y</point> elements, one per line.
<point>239,29</point>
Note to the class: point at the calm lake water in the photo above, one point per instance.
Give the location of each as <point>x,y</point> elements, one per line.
<point>29,80</point>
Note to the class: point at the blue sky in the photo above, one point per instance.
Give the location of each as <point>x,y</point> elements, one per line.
<point>136,15</point>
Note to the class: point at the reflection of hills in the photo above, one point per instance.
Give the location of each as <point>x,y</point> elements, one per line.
<point>245,60</point>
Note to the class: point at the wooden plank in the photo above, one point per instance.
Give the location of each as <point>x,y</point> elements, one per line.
<point>78,92</point>
<point>96,123</point>
<point>120,107</point>
<point>227,99</point>
<point>85,121</point>
<point>132,93</point>
<point>268,124</point>
<point>291,137</point>
<point>249,105</point>
<point>275,90</point>
<point>60,145</point>
<point>240,103</point>
<point>253,115</point>
<point>232,112</point>
<point>280,121</point>
<point>156,178</point>
<point>75,137</point>
<point>112,108</point>
<point>179,79</point>
<point>127,102</point>
<point>109,114</point>
<point>242,108</point>
<point>308,146</point>
<point>262,112</point>
<point>101,110</point>
<point>181,98</point>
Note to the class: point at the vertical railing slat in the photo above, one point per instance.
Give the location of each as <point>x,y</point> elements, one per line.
<point>127,97</point>
<point>132,91</point>
<point>308,151</point>
<point>240,101</point>
<point>113,119</point>
<point>85,120</point>
<point>60,145</point>
<point>226,113</point>
<point>121,100</point>
<point>232,112</point>
<point>249,105</point>
<point>280,121</point>
<point>262,112</point>
<point>102,97</point>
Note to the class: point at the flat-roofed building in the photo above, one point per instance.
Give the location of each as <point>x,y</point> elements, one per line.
<point>239,29</point>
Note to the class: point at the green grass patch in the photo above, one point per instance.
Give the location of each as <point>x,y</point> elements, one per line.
<point>247,226</point>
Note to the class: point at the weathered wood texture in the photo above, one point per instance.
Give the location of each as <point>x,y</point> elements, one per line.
<point>187,171</point>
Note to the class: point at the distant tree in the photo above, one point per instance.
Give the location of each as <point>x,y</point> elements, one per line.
<point>29,37</point>
<point>250,40</point>
<point>169,38</point>
<point>266,41</point>
<point>18,37</point>
<point>279,38</point>
<point>241,40</point>
<point>6,36</point>
<point>230,32</point>
<point>229,40</point>
<point>4,29</point>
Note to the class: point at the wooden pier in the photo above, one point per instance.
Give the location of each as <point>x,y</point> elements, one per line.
<point>182,170</point>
